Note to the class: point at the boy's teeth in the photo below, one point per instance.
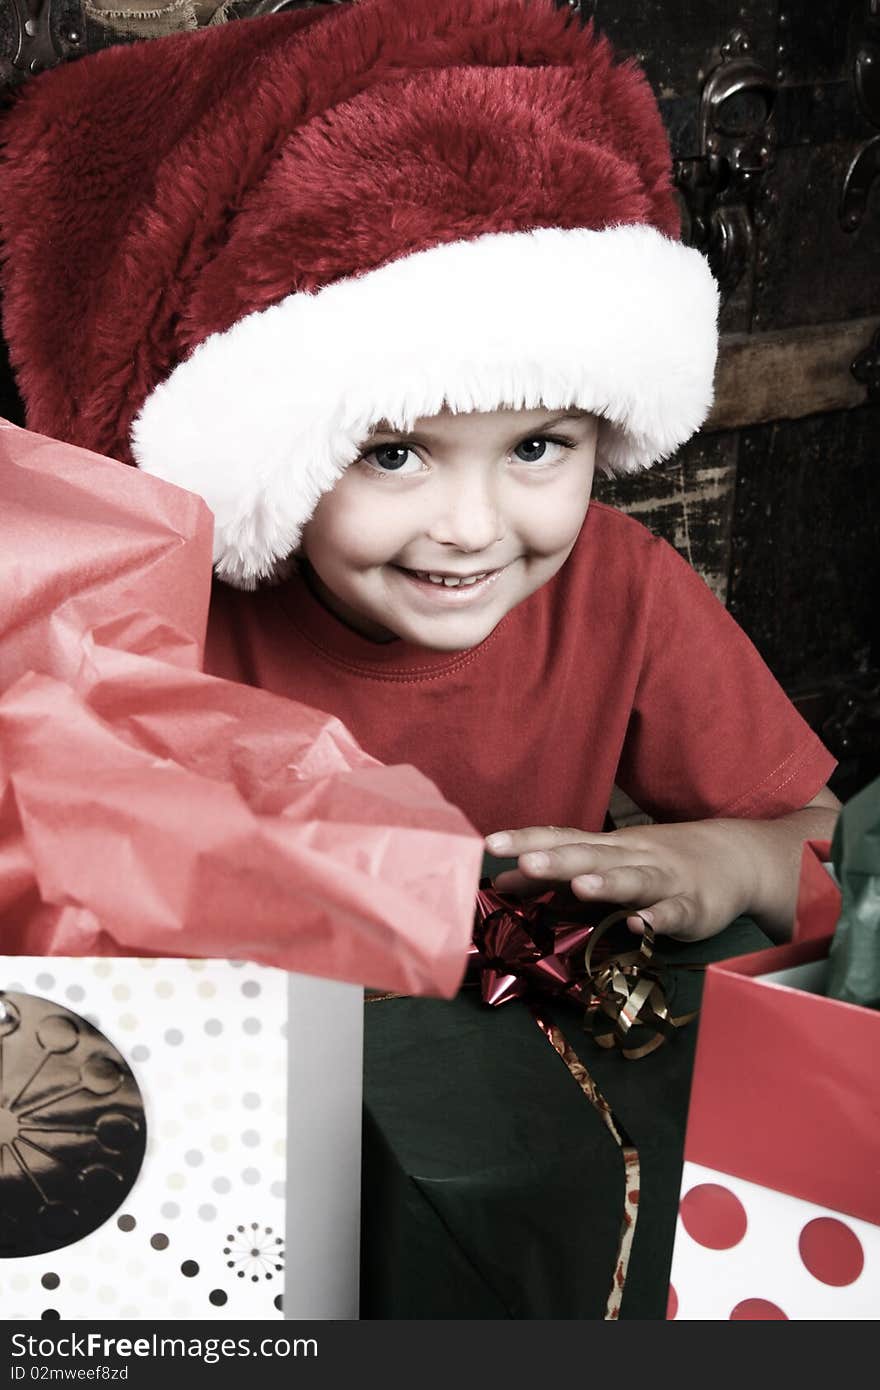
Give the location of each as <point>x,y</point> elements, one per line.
<point>450,583</point>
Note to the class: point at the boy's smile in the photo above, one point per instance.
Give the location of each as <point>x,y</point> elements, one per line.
<point>494,501</point>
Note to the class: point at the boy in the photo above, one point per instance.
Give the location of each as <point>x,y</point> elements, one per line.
<point>419,671</point>
<point>384,286</point>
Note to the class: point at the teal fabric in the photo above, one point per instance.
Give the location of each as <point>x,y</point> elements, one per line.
<point>854,958</point>
<point>492,1188</point>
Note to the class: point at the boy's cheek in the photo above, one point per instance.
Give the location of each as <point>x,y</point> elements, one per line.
<point>334,543</point>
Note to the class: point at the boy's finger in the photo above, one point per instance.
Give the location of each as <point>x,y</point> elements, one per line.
<point>512,881</point>
<point>629,884</point>
<point>534,837</point>
<point>676,917</point>
<point>569,861</point>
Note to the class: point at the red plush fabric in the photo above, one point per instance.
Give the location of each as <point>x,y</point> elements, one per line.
<point>156,193</point>
<point>624,668</point>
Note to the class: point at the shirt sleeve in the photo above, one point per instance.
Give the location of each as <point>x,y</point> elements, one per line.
<point>711,732</point>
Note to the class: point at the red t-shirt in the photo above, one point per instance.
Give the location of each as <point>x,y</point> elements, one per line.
<point>624,668</point>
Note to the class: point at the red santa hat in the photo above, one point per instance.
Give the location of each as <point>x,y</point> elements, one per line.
<point>229,254</point>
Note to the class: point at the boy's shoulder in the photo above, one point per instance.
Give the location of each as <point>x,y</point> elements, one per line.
<point>606,515</point>
<point>616,555</point>
<point>618,567</point>
<point>612,540</point>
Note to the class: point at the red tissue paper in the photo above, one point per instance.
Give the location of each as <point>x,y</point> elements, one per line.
<point>147,808</point>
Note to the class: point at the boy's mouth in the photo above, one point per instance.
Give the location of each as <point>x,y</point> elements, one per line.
<point>448,588</point>
<point>450,580</point>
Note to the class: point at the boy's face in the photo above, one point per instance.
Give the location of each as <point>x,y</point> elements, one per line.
<point>502,493</point>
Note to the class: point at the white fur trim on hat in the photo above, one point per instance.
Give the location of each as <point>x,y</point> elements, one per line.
<point>262,419</point>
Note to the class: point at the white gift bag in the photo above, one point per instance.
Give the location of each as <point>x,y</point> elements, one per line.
<point>179,1139</point>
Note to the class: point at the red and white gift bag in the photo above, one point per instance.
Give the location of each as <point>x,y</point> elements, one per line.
<point>779,1215</point>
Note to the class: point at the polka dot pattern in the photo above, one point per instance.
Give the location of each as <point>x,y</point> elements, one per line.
<point>831,1251</point>
<point>713,1216</point>
<point>747,1253</point>
<point>205,1040</point>
<point>757,1310</point>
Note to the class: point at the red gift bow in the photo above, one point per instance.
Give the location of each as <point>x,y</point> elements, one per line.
<point>525,943</point>
<point>521,945</point>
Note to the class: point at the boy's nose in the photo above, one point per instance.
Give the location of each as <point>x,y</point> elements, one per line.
<point>468,515</point>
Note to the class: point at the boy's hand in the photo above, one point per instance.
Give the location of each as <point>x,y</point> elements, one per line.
<point>690,879</point>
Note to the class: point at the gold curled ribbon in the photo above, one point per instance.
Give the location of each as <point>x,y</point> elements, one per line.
<point>628,993</point>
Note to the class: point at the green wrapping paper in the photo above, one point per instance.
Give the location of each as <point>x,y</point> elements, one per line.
<point>492,1187</point>
<point>854,957</point>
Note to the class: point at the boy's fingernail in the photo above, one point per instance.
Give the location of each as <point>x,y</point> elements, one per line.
<point>499,841</point>
<point>590,881</point>
<point>536,861</point>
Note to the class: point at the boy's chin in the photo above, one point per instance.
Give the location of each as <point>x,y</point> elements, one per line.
<point>458,638</point>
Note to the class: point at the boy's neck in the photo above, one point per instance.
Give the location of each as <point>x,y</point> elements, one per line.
<point>346,615</point>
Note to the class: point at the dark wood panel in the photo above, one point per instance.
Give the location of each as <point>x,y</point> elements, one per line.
<point>688,500</point>
<point>783,376</point>
<point>678,43</point>
<point>814,37</point>
<point>812,271</point>
<point>819,114</point>
<point>805,562</point>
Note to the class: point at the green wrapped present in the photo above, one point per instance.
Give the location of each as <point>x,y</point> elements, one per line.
<point>854,957</point>
<point>504,1180</point>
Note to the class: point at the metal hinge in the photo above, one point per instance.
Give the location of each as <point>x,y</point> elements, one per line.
<point>722,188</point>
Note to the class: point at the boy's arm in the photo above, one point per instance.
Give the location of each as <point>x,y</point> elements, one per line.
<point>690,878</point>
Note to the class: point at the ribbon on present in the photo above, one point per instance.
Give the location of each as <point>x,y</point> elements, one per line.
<point>628,992</point>
<point>629,1155</point>
<point>527,945</point>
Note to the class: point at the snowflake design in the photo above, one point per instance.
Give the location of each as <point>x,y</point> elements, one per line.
<point>254,1252</point>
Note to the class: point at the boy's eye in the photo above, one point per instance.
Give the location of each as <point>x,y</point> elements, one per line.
<point>536,450</point>
<point>388,458</point>
<point>392,459</point>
